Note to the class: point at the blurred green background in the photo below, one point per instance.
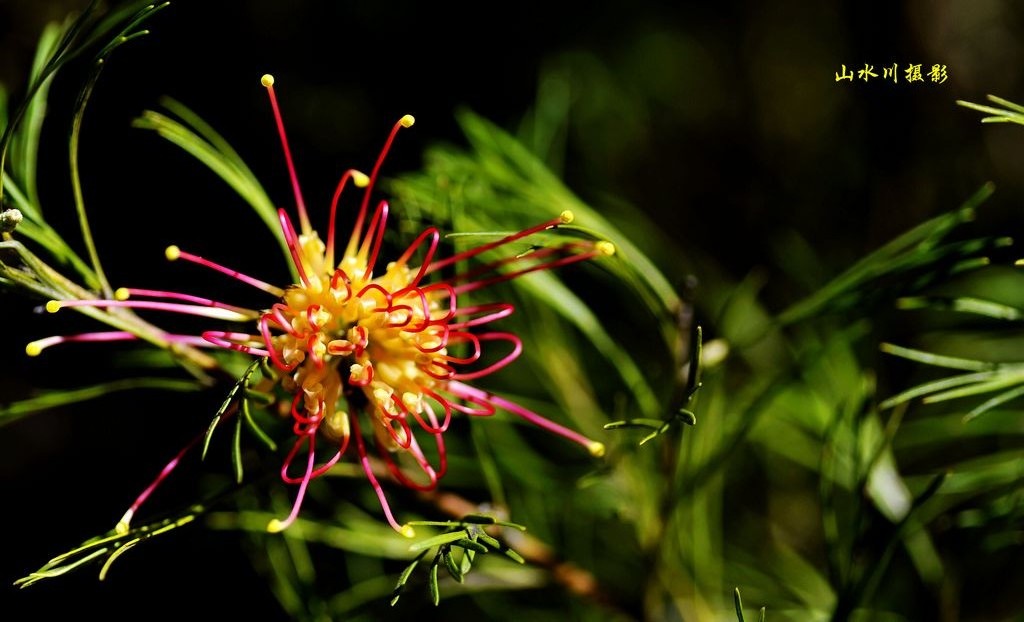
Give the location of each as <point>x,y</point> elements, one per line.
<point>760,175</point>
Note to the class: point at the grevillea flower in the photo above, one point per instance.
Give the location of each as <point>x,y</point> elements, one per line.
<point>370,352</point>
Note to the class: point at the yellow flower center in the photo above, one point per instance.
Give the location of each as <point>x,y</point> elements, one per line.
<point>344,330</point>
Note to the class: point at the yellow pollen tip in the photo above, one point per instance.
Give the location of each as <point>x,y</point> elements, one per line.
<point>605,248</point>
<point>267,80</point>
<point>408,531</point>
<point>53,306</point>
<point>596,449</point>
<point>172,253</point>
<point>360,179</point>
<point>407,120</point>
<point>567,217</point>
<point>33,349</point>
<point>275,526</point>
<point>121,293</point>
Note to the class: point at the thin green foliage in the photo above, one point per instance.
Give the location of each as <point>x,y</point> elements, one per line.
<point>920,252</point>
<point>738,602</point>
<point>22,268</point>
<point>126,34</point>
<point>58,46</point>
<point>456,549</point>
<point>963,304</point>
<point>684,415</point>
<point>1008,113</point>
<point>25,143</point>
<point>234,397</point>
<point>1004,378</point>
<point>108,547</point>
<point>238,403</point>
<point>198,139</point>
<point>58,398</point>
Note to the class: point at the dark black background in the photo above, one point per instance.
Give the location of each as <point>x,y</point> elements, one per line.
<point>724,123</point>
